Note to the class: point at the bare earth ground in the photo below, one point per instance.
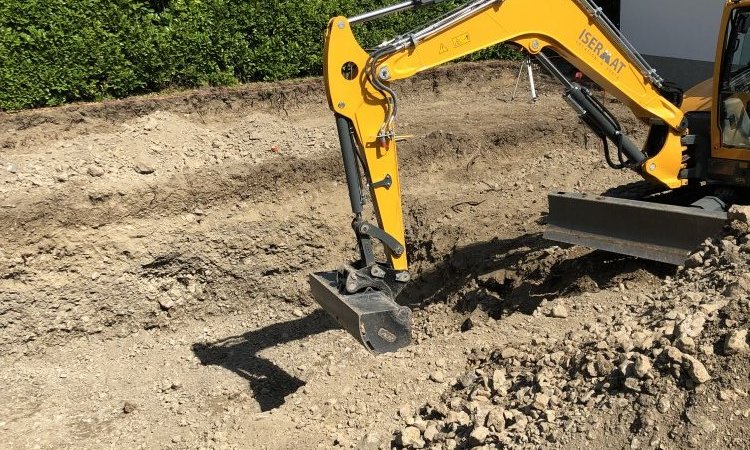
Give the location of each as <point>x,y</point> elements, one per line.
<point>153,287</point>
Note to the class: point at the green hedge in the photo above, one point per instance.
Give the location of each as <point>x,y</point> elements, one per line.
<point>57,51</point>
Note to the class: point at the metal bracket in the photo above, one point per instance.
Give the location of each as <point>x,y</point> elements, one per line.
<point>376,276</point>
<point>389,241</point>
<point>386,182</point>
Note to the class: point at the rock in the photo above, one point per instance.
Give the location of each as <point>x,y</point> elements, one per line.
<point>736,343</point>
<point>420,423</point>
<point>499,382</point>
<point>520,421</point>
<point>693,325</point>
<point>467,379</point>
<point>697,371</point>
<point>298,312</point>
<point>739,213</point>
<point>480,414</point>
<point>643,340</point>
<point>461,417</point>
<point>496,279</point>
<point>674,354</point>
<point>633,384</point>
<point>559,312</point>
<point>437,376</point>
<point>95,171</point>
<point>61,177</point>
<point>699,420</point>
<point>726,395</point>
<point>603,366</point>
<point>144,168</point>
<point>479,436</point>
<point>371,441</point>
<point>166,303</point>
<point>431,433</point>
<point>663,405</point>
<point>541,401</point>
<point>411,437</point>
<point>128,407</point>
<point>642,366</point>
<point>713,307</point>
<point>496,420</point>
<point>695,260</point>
<point>686,344</point>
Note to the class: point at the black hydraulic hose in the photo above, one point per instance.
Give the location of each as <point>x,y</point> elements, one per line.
<point>617,138</point>
<point>350,164</point>
<point>603,123</point>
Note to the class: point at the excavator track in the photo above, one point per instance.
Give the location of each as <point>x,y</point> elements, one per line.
<point>637,219</point>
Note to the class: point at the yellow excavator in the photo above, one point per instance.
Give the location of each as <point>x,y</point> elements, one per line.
<point>695,161</point>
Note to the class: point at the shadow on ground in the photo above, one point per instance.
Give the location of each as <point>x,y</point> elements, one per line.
<point>522,275</point>
<point>269,383</point>
<point>446,282</point>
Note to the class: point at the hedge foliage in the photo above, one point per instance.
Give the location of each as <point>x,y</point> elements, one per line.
<point>57,51</point>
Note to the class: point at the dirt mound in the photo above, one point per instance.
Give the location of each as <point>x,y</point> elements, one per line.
<point>153,286</point>
<point>666,370</point>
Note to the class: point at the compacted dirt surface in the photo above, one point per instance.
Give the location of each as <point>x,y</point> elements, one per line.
<point>153,283</point>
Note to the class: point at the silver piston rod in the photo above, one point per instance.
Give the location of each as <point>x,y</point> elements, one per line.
<point>393,9</point>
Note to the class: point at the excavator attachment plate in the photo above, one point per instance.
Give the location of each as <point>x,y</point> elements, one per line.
<point>654,231</point>
<point>372,317</point>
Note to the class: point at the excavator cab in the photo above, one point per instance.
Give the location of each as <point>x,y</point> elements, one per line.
<point>696,155</point>
<point>734,82</point>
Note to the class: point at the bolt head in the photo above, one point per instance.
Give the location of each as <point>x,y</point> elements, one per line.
<point>342,105</point>
<point>652,167</point>
<point>535,45</point>
<point>341,24</point>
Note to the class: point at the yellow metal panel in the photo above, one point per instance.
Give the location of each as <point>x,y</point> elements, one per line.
<point>699,97</point>
<point>666,165</point>
<point>357,100</point>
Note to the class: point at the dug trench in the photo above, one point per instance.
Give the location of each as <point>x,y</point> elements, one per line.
<point>153,279</point>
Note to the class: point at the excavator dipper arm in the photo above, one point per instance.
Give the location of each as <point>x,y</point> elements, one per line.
<point>361,296</point>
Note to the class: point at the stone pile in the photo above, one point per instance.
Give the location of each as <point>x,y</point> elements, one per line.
<point>645,363</point>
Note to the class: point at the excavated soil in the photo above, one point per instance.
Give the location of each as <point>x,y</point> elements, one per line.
<point>153,283</point>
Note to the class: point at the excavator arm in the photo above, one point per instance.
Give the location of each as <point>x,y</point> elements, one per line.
<point>359,87</point>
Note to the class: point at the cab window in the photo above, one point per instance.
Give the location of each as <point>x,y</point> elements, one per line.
<point>735,82</point>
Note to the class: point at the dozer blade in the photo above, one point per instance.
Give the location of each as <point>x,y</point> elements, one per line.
<point>373,318</point>
<point>654,231</point>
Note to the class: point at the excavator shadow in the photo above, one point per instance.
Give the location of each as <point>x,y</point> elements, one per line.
<point>269,383</point>
<point>477,266</point>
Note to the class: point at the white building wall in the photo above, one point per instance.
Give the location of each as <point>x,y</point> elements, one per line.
<point>685,29</point>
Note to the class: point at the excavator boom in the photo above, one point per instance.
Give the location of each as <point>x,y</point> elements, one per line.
<point>360,93</point>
